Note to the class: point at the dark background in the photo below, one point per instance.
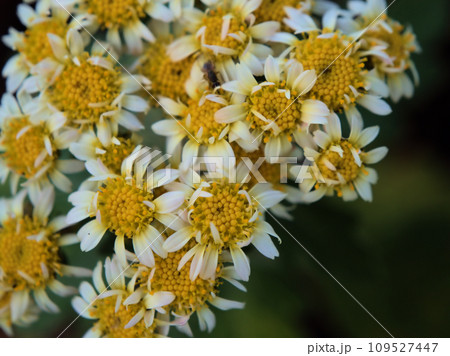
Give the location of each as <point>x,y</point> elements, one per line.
<point>392,254</point>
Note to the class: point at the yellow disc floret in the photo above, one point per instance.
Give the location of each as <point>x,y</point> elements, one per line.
<point>167,77</point>
<point>35,45</point>
<point>111,323</point>
<point>282,114</point>
<point>343,162</point>
<point>124,207</point>
<point>228,209</point>
<point>25,262</point>
<point>200,120</point>
<point>338,69</point>
<point>214,23</point>
<point>115,154</point>
<point>25,151</point>
<point>189,295</point>
<point>85,92</point>
<point>116,13</point>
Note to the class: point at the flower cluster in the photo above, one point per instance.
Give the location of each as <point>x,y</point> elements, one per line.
<point>254,95</point>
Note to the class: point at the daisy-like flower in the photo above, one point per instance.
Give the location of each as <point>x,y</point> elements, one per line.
<point>340,64</point>
<point>126,205</point>
<point>167,76</point>
<point>340,164</point>
<point>6,320</point>
<point>178,295</point>
<point>224,216</point>
<point>104,304</point>
<point>30,148</point>
<point>109,149</point>
<point>398,42</point>
<point>87,90</point>
<point>33,45</point>
<point>206,136</point>
<point>276,109</point>
<point>226,30</point>
<point>122,17</point>
<point>275,173</point>
<point>30,254</point>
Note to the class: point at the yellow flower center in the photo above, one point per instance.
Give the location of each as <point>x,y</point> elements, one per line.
<point>36,46</point>
<point>337,70</point>
<point>272,104</point>
<point>25,155</point>
<point>271,172</point>
<point>213,22</point>
<point>115,154</point>
<point>273,10</point>
<point>345,165</point>
<point>122,207</point>
<point>189,295</point>
<point>116,13</point>
<point>112,324</point>
<point>85,92</point>
<point>27,263</point>
<point>400,43</point>
<point>229,211</point>
<point>167,77</point>
<point>199,120</point>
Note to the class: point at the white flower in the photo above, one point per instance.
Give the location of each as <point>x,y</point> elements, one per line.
<point>226,30</point>
<point>87,90</point>
<point>105,305</point>
<point>30,260</point>
<point>122,17</point>
<point>340,164</point>
<point>33,46</point>
<point>180,297</point>
<point>30,145</point>
<point>126,204</point>
<point>206,136</point>
<point>224,216</point>
<point>340,64</point>
<point>384,34</point>
<point>276,109</point>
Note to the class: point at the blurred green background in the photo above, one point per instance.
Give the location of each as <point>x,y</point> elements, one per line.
<point>392,254</point>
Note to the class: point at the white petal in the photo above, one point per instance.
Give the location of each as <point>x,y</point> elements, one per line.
<point>241,263</point>
<point>158,299</point>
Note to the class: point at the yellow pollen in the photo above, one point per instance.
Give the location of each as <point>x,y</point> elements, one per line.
<point>116,13</point>
<point>229,211</point>
<point>273,10</point>
<point>21,154</point>
<point>213,22</point>
<point>18,254</point>
<point>200,119</point>
<point>274,106</point>
<point>344,165</point>
<point>112,324</point>
<point>167,77</point>
<point>36,46</point>
<point>122,207</point>
<point>189,295</point>
<point>336,69</point>
<point>115,154</point>
<point>85,92</point>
